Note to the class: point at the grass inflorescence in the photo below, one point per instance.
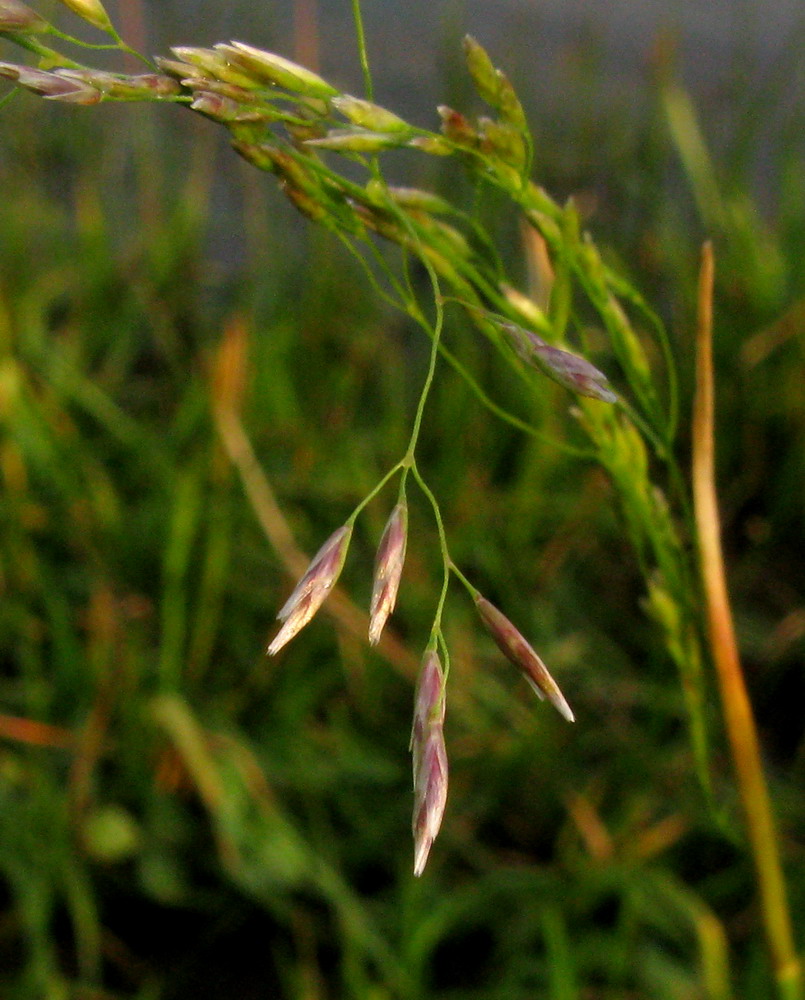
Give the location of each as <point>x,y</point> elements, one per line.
<point>138,579</point>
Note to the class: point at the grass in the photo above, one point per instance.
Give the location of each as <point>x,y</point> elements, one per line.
<point>182,816</point>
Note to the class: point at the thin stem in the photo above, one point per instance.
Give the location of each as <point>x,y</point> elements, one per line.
<point>357,17</point>
<point>510,418</point>
<point>436,334</point>
<point>374,491</point>
<point>117,45</point>
<point>446,560</point>
<point>493,407</point>
<point>473,591</point>
<point>738,716</point>
<point>49,56</point>
<point>420,410</point>
<point>381,292</point>
<point>125,47</point>
<point>660,448</point>
<point>587,454</point>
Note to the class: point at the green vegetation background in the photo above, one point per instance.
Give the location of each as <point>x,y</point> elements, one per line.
<point>181,817</point>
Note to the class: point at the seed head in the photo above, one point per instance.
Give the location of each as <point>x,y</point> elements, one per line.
<point>260,155</point>
<point>504,141</point>
<point>307,204</point>
<point>91,11</point>
<point>213,64</point>
<point>483,73</point>
<point>17,16</point>
<point>143,86</point>
<point>569,370</point>
<point>270,68</point>
<point>516,649</point>
<point>358,140</point>
<point>388,570</point>
<point>368,115</point>
<point>456,127</point>
<point>223,109</point>
<point>408,197</point>
<point>157,84</point>
<point>493,85</point>
<point>174,68</point>
<point>429,758</point>
<point>433,145</point>
<point>309,594</point>
<point>52,86</point>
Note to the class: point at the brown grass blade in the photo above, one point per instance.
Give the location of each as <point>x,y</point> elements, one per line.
<point>738,716</point>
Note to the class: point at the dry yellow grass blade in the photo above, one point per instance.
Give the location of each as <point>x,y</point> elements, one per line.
<point>738,716</point>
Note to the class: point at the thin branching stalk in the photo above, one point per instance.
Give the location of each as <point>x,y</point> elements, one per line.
<point>286,120</point>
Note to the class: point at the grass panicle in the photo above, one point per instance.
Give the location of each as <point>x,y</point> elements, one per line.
<point>102,654</point>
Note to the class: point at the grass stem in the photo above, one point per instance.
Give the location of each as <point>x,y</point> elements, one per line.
<point>738,716</point>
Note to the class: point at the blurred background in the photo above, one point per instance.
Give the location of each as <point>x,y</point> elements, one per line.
<point>182,817</point>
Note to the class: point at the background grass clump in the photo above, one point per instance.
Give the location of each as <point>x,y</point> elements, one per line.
<point>182,817</point>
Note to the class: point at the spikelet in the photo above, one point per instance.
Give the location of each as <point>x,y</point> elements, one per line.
<point>91,11</point>
<point>17,16</point>
<point>388,570</point>
<point>317,582</point>
<point>52,86</point>
<point>569,370</point>
<point>429,758</point>
<point>268,67</point>
<point>516,649</point>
